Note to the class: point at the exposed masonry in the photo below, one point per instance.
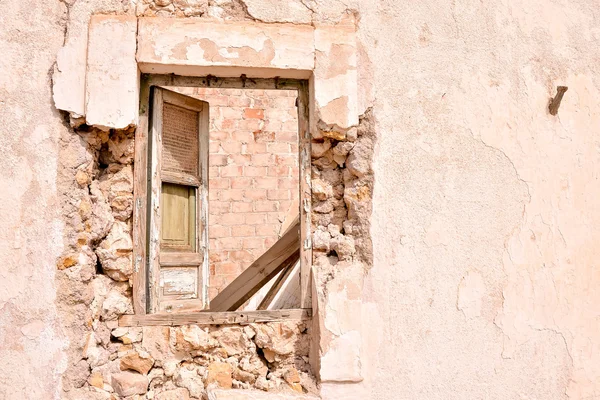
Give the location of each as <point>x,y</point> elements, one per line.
<point>95,289</point>
<point>106,361</point>
<point>94,278</point>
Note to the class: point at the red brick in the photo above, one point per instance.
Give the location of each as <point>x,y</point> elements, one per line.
<point>231,195</point>
<point>218,160</point>
<point>265,206</point>
<point>256,147</point>
<point>240,207</point>
<point>218,256</point>
<point>215,100</point>
<point>254,171</point>
<point>238,101</point>
<point>241,255</point>
<point>230,113</point>
<point>226,124</point>
<point>255,219</point>
<point>227,268</point>
<point>218,231</point>
<point>284,102</point>
<point>276,194</point>
<point>219,207</point>
<point>231,170</point>
<point>218,136</point>
<point>242,136</point>
<point>250,125</point>
<point>284,206</point>
<point>264,136</point>
<point>218,183</point>
<point>253,243</point>
<point>274,217</point>
<point>278,147</point>
<point>267,229</point>
<point>214,147</point>
<point>290,125</point>
<point>228,219</point>
<point>270,241</point>
<point>229,243</point>
<point>255,194</point>
<point>240,159</point>
<point>243,231</point>
<point>291,160</point>
<point>289,136</point>
<point>266,183</point>
<point>240,182</point>
<point>262,160</point>
<point>231,147</point>
<point>287,183</point>
<point>254,113</point>
<point>275,114</point>
<point>278,170</point>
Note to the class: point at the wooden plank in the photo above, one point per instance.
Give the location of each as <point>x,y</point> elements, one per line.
<point>180,178</point>
<point>168,259</point>
<point>202,202</point>
<point>289,294</point>
<point>305,198</point>
<point>215,318</point>
<point>140,200</point>
<point>182,100</point>
<point>179,282</point>
<point>257,274</point>
<point>281,279</point>
<point>155,182</point>
<point>181,81</point>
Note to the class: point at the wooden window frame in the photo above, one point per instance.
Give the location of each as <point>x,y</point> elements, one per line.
<point>144,311</point>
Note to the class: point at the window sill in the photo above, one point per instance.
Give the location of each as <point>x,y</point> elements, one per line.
<point>215,318</point>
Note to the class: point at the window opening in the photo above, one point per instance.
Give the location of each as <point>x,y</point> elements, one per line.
<point>225,226</point>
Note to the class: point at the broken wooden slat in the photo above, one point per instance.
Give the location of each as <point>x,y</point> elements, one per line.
<point>281,279</point>
<point>304,128</point>
<point>259,273</point>
<point>212,318</point>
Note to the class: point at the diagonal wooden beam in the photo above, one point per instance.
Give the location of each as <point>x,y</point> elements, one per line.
<point>289,265</point>
<point>259,273</point>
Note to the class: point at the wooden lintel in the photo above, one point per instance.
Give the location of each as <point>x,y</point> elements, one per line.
<point>215,318</point>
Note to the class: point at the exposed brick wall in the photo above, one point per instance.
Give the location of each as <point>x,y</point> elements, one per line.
<point>253,175</point>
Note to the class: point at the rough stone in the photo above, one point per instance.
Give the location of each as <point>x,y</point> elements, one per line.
<point>198,338</point>
<point>129,383</point>
<point>115,252</point>
<point>321,240</point>
<point>321,190</point>
<point>243,376</point>
<point>116,304</point>
<point>101,219</point>
<point>220,373</point>
<point>232,339</point>
<point>343,246</point>
<point>117,186</point>
<point>175,394</point>
<point>139,361</point>
<point>188,378</point>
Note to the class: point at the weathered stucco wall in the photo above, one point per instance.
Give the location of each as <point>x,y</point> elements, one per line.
<point>31,357</point>
<point>483,283</point>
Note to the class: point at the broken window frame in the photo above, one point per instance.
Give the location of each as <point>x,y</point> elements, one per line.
<point>145,313</point>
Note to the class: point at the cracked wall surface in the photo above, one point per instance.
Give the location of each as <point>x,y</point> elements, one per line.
<point>483,280</point>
